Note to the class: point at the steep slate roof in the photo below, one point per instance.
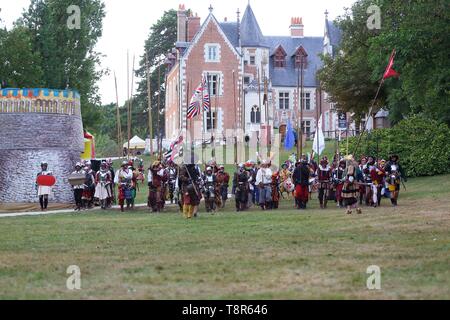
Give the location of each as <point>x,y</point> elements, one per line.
<point>288,76</point>
<point>231,31</point>
<point>334,33</point>
<point>251,35</point>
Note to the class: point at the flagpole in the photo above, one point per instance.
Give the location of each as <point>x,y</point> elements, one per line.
<point>217,116</point>
<point>204,121</point>
<point>391,59</point>
<point>317,127</point>
<point>158,115</point>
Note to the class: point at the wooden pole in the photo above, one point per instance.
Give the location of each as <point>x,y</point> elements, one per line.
<point>301,106</point>
<point>131,95</point>
<point>158,115</point>
<point>235,119</point>
<point>217,117</point>
<point>149,97</point>
<point>119,125</point>
<point>266,106</point>
<point>128,105</point>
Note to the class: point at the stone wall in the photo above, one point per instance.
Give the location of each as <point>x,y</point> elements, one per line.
<point>26,139</point>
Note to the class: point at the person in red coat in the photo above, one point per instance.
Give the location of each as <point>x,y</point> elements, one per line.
<point>301,180</point>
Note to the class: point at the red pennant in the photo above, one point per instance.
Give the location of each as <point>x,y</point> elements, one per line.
<point>390,72</point>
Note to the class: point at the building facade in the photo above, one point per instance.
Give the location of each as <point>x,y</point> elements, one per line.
<point>254,80</point>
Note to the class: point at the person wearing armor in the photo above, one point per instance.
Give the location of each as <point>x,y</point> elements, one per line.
<point>264,183</point>
<point>78,190</point>
<point>172,172</point>
<point>377,176</point>
<point>350,187</point>
<point>324,176</point>
<point>89,187</point>
<point>285,178</point>
<point>338,182</point>
<point>188,182</point>
<point>394,176</point>
<point>241,188</point>
<point>103,182</point>
<point>275,190</point>
<point>301,180</point>
<point>209,189</point>
<point>223,180</point>
<point>112,185</point>
<point>370,197</point>
<point>362,187</point>
<point>124,180</point>
<point>156,179</point>
<point>44,191</point>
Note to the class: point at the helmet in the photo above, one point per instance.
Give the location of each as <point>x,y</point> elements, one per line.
<point>78,164</point>
<point>44,163</point>
<point>124,163</point>
<point>209,169</point>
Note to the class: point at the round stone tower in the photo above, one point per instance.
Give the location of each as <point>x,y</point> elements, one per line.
<point>38,125</point>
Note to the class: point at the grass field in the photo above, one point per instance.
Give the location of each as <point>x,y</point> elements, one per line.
<point>284,254</point>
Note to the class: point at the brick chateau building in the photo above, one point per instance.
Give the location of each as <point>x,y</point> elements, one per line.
<point>253,78</point>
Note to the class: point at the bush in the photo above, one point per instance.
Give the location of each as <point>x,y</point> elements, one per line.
<point>105,147</point>
<point>423,145</point>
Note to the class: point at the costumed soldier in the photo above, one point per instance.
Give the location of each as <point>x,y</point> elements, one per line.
<point>338,181</point>
<point>275,190</point>
<point>89,187</point>
<point>301,179</point>
<point>324,177</point>
<point>78,190</point>
<point>172,173</point>
<point>156,178</point>
<point>123,179</point>
<point>350,187</point>
<point>209,189</point>
<point>190,194</point>
<point>377,174</point>
<point>44,191</point>
<point>394,175</point>
<point>223,180</point>
<point>285,179</point>
<point>264,183</point>
<point>241,188</point>
<point>103,181</point>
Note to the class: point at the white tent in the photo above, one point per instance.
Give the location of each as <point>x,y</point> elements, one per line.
<point>135,143</point>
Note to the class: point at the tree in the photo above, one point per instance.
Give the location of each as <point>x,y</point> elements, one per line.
<point>20,66</point>
<point>162,38</point>
<point>418,31</point>
<point>68,55</point>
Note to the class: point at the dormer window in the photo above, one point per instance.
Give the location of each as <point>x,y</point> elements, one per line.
<point>280,58</point>
<point>300,54</point>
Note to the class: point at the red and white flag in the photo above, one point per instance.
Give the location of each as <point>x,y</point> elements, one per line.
<point>390,72</point>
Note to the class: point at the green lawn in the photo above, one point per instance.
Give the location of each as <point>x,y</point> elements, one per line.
<point>284,254</point>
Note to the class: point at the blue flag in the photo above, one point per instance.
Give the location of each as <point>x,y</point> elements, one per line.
<point>289,141</point>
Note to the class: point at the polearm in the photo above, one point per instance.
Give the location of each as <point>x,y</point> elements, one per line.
<point>158,115</point>
<point>235,119</point>
<point>119,125</point>
<point>213,140</point>
<point>372,106</point>
<point>128,104</point>
<point>149,94</point>
<point>131,94</point>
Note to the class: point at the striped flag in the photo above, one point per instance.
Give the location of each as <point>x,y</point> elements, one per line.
<point>173,151</point>
<point>201,93</point>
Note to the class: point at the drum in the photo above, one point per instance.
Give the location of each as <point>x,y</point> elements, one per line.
<point>76,179</point>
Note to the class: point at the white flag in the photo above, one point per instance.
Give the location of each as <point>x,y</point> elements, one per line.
<point>319,140</point>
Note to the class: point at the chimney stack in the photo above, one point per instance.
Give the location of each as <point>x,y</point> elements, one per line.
<point>296,27</point>
<point>193,25</point>
<point>181,24</point>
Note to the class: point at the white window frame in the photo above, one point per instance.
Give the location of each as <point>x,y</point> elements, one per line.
<point>208,47</point>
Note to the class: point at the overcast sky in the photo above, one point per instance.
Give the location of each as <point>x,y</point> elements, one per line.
<point>127,24</point>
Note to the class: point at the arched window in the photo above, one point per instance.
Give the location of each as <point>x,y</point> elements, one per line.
<point>255,115</point>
